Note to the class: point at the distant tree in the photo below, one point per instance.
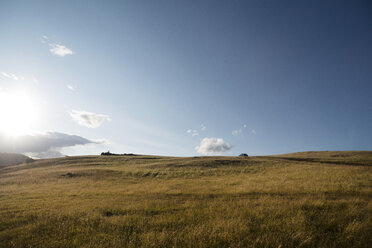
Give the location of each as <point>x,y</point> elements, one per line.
<point>243,155</point>
<point>108,153</point>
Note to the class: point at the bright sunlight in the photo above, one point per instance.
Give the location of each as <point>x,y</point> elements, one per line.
<point>18,112</point>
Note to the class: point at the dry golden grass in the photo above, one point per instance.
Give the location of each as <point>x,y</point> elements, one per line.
<point>317,199</point>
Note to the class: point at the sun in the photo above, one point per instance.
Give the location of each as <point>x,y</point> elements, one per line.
<point>18,112</point>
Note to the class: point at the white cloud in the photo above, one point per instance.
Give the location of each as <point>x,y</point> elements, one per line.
<point>44,39</point>
<point>236,132</point>
<point>212,146</point>
<point>192,132</point>
<point>55,47</point>
<point>88,119</point>
<point>60,50</point>
<point>70,87</point>
<point>10,75</point>
<point>253,131</point>
<point>41,145</point>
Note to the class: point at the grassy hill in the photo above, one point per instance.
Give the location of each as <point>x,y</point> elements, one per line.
<point>13,159</point>
<point>311,199</point>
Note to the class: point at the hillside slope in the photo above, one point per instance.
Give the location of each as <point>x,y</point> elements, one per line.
<point>13,159</point>
<point>332,157</point>
<point>291,200</point>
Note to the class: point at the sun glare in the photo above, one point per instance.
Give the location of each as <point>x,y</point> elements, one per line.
<point>18,113</point>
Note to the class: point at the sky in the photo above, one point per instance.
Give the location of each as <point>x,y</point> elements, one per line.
<point>185,78</point>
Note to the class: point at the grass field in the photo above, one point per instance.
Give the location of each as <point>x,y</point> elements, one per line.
<point>311,199</point>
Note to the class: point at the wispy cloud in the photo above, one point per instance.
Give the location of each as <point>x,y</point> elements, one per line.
<point>41,145</point>
<point>70,87</point>
<point>88,119</point>
<point>193,132</point>
<point>210,146</point>
<point>60,50</point>
<point>253,131</point>
<point>44,39</point>
<point>55,47</point>
<point>10,75</point>
<point>236,132</point>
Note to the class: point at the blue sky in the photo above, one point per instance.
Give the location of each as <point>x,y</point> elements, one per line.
<point>186,77</point>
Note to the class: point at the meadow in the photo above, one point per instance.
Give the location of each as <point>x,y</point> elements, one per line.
<point>310,199</point>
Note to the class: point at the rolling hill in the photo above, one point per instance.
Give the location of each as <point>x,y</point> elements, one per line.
<point>13,159</point>
<point>309,199</point>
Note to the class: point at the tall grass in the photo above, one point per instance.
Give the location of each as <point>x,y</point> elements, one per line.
<point>148,201</point>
